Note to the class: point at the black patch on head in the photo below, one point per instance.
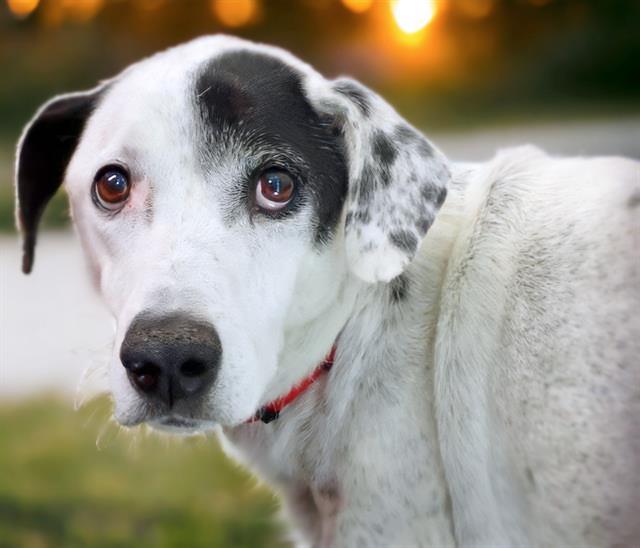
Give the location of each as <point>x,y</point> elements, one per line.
<point>254,103</point>
<point>404,240</point>
<point>399,287</point>
<point>356,95</point>
<point>228,102</point>
<point>43,157</point>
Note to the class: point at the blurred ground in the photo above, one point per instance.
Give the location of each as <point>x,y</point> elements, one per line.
<point>72,479</point>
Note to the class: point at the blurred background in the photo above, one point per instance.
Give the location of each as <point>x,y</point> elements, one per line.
<point>474,75</point>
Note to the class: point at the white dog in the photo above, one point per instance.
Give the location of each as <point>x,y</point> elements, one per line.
<point>243,216</point>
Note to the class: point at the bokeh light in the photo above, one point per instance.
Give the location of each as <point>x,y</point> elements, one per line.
<point>235,13</point>
<point>22,8</point>
<point>413,15</point>
<point>357,6</point>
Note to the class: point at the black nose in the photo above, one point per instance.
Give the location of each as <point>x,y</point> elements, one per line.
<point>171,358</point>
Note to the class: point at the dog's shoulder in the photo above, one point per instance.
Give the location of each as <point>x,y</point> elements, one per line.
<point>539,237</point>
<point>538,333</point>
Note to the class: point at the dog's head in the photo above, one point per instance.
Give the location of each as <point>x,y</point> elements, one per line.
<point>227,197</point>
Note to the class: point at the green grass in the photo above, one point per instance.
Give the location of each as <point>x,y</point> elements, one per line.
<point>58,487</point>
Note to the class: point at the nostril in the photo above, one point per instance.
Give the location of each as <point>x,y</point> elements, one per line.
<point>193,368</point>
<point>145,375</point>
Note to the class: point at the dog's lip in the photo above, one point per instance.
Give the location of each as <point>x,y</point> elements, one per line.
<point>176,421</point>
<point>180,424</point>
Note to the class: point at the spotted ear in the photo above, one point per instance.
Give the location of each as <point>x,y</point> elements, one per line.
<point>43,153</point>
<point>397,182</point>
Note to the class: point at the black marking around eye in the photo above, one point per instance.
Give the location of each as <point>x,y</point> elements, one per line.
<point>252,105</point>
<point>404,240</point>
<point>356,95</point>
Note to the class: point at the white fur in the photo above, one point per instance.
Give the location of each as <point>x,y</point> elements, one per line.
<point>497,405</point>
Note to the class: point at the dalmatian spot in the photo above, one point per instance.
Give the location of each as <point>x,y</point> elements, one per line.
<point>384,151</point>
<point>406,135</point>
<point>433,195</point>
<point>404,240</point>
<point>424,223</point>
<point>398,288</point>
<point>366,185</point>
<point>356,95</point>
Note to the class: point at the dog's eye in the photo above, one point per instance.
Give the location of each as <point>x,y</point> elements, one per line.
<point>274,190</point>
<point>111,187</point>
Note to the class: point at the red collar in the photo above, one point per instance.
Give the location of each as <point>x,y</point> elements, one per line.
<point>272,410</point>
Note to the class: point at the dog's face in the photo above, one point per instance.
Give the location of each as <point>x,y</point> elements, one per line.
<point>228,198</point>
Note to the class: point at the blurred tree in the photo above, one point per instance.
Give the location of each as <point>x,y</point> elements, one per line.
<point>474,55</point>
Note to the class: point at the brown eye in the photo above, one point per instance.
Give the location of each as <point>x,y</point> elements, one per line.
<point>111,187</point>
<point>274,190</point>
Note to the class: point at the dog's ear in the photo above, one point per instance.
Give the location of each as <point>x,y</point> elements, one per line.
<point>397,182</point>
<point>43,153</point>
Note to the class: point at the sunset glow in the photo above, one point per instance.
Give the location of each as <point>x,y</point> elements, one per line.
<point>413,15</point>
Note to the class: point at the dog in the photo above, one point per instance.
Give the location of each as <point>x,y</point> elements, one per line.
<point>412,352</point>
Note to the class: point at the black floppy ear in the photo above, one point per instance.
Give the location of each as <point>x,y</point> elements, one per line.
<point>397,182</point>
<point>43,153</point>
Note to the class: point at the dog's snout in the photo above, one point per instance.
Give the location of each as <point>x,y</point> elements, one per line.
<point>171,358</point>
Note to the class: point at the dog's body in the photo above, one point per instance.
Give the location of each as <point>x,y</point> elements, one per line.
<point>506,379</point>
<point>485,390</point>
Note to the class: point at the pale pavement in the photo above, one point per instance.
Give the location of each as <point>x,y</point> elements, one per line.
<point>53,327</point>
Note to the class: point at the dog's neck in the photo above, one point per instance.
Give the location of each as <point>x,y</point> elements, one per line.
<point>384,357</point>
<point>371,312</point>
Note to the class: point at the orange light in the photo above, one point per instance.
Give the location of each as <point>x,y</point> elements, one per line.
<point>151,5</point>
<point>235,13</point>
<point>357,6</point>
<point>81,10</point>
<point>476,8</point>
<point>22,8</point>
<point>412,16</point>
